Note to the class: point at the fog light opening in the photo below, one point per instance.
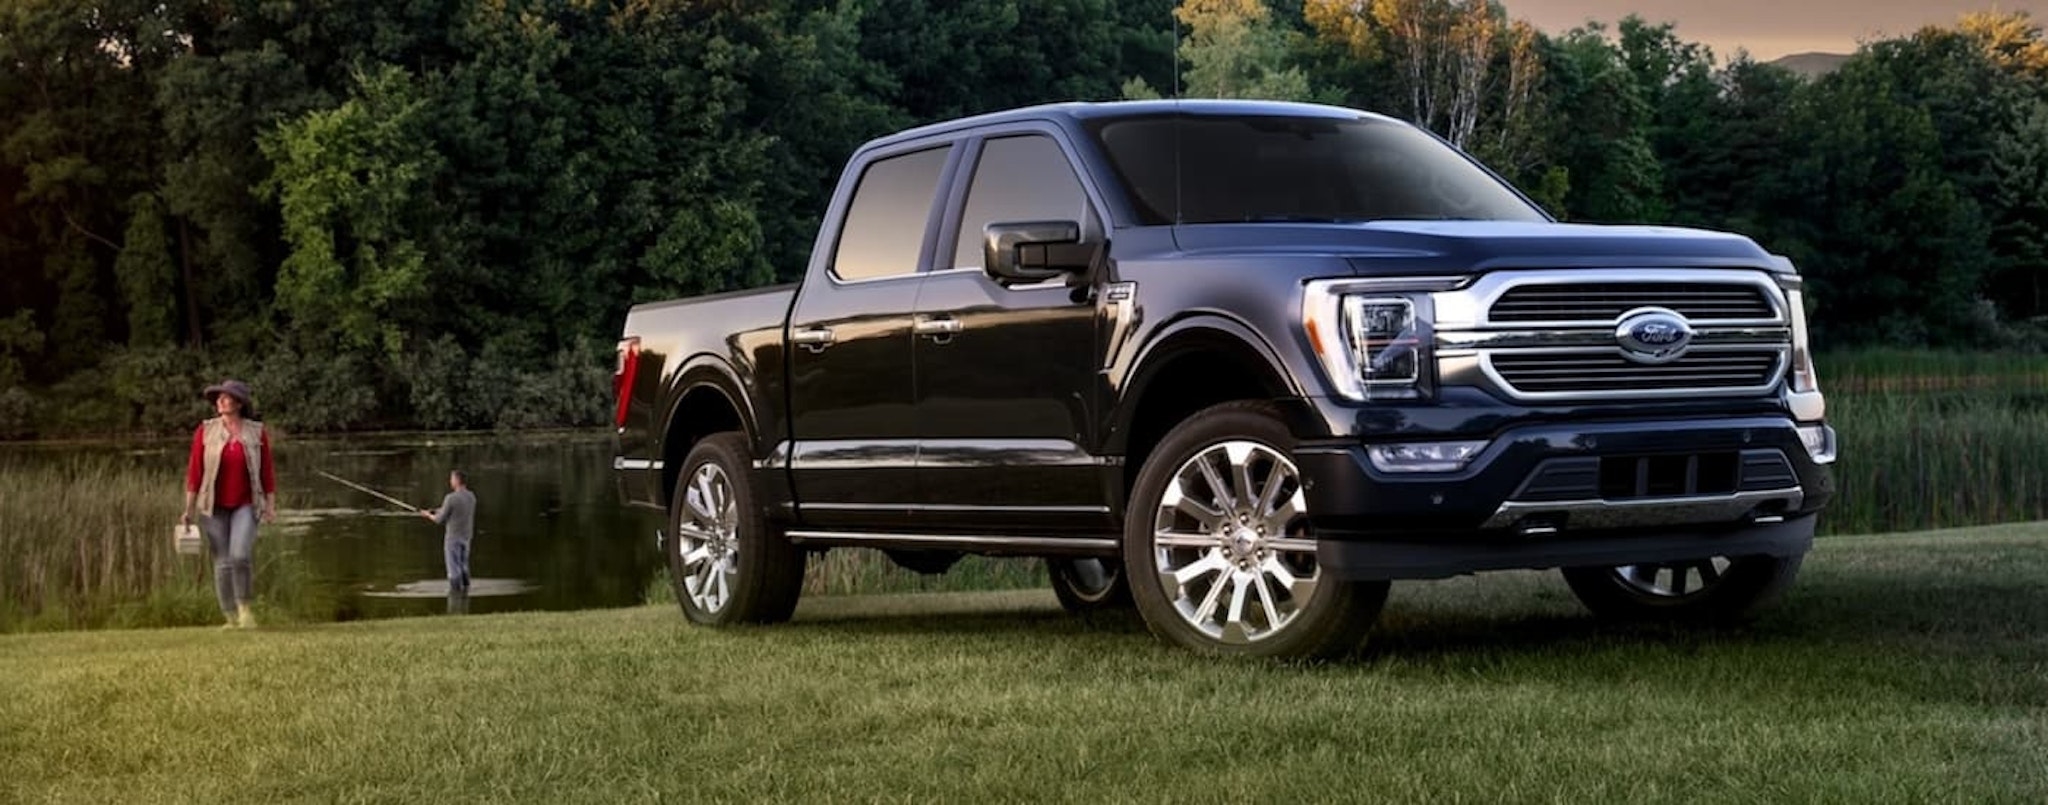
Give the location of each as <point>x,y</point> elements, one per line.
<point>1414,457</point>
<point>1540,525</point>
<point>1819,441</point>
<point>1768,513</point>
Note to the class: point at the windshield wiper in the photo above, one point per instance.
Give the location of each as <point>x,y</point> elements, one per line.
<point>1299,219</point>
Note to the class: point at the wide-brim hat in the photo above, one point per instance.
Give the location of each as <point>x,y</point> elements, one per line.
<point>233,388</point>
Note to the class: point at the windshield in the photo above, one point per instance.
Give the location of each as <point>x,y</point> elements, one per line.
<point>1273,168</point>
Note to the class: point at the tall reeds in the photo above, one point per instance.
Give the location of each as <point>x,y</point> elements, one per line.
<point>86,540</point>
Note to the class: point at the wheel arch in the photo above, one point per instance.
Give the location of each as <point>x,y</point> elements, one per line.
<point>709,398</point>
<point>1193,363</point>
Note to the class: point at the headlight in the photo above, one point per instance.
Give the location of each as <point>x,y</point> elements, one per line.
<point>1372,346</point>
<point>1804,379</point>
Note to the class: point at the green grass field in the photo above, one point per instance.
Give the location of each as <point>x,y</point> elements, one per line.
<point>1905,668</point>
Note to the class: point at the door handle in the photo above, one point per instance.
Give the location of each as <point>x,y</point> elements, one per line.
<point>940,328</point>
<point>815,339</point>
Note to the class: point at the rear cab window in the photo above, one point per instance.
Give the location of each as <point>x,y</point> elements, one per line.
<point>883,234</point>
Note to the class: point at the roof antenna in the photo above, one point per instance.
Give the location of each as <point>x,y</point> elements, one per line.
<point>1173,24</point>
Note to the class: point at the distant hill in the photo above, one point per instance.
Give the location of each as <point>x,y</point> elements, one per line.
<point>1812,65</point>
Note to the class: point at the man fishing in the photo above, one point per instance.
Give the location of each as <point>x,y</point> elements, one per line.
<point>457,516</point>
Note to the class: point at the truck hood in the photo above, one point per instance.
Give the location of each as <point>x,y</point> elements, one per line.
<point>1406,246</point>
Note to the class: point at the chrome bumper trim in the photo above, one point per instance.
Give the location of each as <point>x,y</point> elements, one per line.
<point>1590,514</point>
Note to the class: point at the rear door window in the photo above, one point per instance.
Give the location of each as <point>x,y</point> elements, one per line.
<point>884,231</point>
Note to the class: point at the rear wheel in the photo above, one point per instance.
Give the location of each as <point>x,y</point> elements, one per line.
<point>1089,584</point>
<point>1219,550</point>
<point>728,565</point>
<point>1716,590</point>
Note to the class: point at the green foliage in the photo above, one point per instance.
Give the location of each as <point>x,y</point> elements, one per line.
<point>1235,50</point>
<point>20,342</point>
<point>352,183</point>
<point>1602,131</point>
<point>148,276</point>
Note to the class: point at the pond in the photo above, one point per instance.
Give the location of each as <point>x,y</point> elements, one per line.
<point>551,532</point>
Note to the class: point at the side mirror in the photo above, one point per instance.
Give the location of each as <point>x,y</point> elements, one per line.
<point>1034,251</point>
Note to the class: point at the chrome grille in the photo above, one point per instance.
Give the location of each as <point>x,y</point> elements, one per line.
<point>1607,301</point>
<point>1605,371</point>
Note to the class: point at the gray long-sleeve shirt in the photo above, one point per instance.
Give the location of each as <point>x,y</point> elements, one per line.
<point>458,516</point>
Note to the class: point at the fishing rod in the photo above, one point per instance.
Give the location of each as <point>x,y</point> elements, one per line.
<point>359,487</point>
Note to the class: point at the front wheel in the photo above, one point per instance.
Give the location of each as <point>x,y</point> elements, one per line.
<point>727,564</point>
<point>1218,546</point>
<point>1716,590</point>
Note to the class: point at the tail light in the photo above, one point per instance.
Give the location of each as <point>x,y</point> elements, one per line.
<point>622,378</point>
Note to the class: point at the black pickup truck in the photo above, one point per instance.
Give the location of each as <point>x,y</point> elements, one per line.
<point>1241,365</point>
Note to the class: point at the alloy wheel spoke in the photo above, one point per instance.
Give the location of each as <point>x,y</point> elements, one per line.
<point>1212,562</point>
<point>1218,490</point>
<point>1242,490</point>
<point>1265,592</point>
<point>1207,611</point>
<point>1264,509</point>
<point>1238,590</point>
<point>697,555</point>
<point>1203,513</point>
<point>1297,588</point>
<point>1179,539</point>
<point>699,503</point>
<point>1284,514</point>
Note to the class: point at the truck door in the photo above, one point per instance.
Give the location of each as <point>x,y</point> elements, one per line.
<point>1006,376</point>
<point>853,456</point>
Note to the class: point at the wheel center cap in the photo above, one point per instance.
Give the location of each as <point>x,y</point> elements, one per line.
<point>1244,542</point>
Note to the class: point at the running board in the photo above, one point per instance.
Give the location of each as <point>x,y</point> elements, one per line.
<point>965,543</point>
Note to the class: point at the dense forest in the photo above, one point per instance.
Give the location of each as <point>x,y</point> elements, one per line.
<point>433,213</point>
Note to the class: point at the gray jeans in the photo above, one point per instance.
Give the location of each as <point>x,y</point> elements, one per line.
<point>456,556</point>
<point>231,536</point>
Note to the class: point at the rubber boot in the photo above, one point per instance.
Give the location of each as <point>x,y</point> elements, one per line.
<point>243,617</point>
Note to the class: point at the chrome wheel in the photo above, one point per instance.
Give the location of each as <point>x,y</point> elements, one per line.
<point>1720,589</point>
<point>1230,542</point>
<point>708,539</point>
<point>1671,582</point>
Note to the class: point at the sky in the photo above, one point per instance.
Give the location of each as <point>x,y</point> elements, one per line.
<point>1770,28</point>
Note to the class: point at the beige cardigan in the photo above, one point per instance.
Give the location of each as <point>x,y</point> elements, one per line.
<point>216,439</point>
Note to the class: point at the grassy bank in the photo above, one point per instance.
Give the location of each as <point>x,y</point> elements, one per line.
<point>1900,669</point>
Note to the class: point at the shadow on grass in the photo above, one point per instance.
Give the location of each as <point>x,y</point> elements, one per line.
<point>1944,623</point>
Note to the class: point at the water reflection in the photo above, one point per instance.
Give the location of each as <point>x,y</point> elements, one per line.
<point>550,533</point>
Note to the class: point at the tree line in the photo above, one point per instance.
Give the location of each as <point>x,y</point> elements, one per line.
<point>434,213</point>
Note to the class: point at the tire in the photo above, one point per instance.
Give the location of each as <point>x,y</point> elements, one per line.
<point>1720,590</point>
<point>727,563</point>
<point>1089,585</point>
<point>1250,587</point>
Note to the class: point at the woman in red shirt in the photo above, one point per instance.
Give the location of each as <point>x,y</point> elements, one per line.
<point>231,460</point>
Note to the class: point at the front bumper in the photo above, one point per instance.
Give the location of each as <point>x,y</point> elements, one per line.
<point>1575,494</point>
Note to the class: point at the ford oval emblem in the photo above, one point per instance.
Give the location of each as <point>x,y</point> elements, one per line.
<point>1653,335</point>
